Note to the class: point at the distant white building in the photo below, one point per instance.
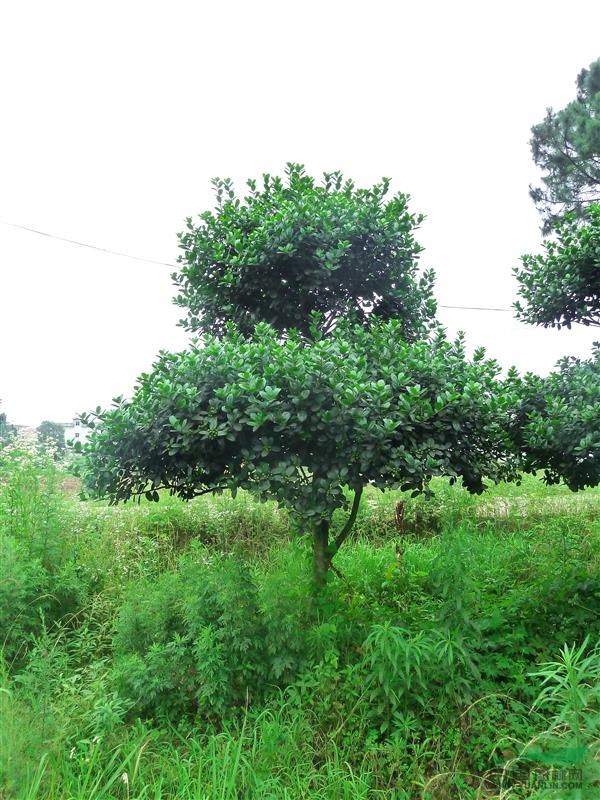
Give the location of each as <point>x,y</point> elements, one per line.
<point>76,431</point>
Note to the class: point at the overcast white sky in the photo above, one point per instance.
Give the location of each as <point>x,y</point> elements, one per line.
<point>115,116</point>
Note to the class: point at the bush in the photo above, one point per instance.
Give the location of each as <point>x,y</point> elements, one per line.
<point>200,641</point>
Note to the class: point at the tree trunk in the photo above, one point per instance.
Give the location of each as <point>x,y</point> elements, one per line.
<point>321,555</point>
<point>323,550</point>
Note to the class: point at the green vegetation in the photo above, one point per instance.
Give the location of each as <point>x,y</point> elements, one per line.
<point>7,431</point>
<point>175,650</point>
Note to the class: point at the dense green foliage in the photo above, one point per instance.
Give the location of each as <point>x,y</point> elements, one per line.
<point>52,435</point>
<point>440,665</point>
<point>562,285</point>
<point>211,637</point>
<point>39,575</point>
<point>293,247</point>
<point>566,146</point>
<point>558,422</point>
<point>298,421</point>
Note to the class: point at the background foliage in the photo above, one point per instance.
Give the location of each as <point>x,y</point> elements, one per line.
<point>52,435</point>
<point>566,146</point>
<point>558,423</point>
<point>7,431</point>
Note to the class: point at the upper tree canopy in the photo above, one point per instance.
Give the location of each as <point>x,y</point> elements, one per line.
<point>566,145</point>
<point>293,246</point>
<point>562,285</point>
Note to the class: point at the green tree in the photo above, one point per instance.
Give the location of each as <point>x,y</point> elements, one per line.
<point>7,431</point>
<point>291,247</point>
<point>562,285</point>
<point>305,421</point>
<point>52,434</point>
<point>566,146</point>
<point>558,422</point>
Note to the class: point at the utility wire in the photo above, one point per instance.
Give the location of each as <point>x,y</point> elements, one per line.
<point>85,244</point>
<point>174,266</point>
<point>476,308</point>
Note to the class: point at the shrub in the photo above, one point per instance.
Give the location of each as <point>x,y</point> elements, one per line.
<point>198,641</point>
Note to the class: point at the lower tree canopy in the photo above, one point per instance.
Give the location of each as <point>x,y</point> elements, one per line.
<point>298,420</point>
<point>562,286</point>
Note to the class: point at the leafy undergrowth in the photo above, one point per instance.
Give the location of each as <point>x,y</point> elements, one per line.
<point>173,651</point>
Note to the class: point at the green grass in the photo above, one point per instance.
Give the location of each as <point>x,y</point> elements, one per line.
<point>173,650</point>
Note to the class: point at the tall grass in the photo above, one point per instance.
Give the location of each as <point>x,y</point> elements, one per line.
<point>169,651</point>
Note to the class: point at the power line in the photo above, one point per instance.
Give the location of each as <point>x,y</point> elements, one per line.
<point>174,266</point>
<point>476,308</point>
<point>85,244</point>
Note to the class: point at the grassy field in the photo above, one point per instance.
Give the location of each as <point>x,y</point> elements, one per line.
<point>174,650</point>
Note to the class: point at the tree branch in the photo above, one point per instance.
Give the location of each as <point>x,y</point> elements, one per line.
<point>170,486</point>
<point>343,534</point>
<point>591,178</point>
<point>212,489</point>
